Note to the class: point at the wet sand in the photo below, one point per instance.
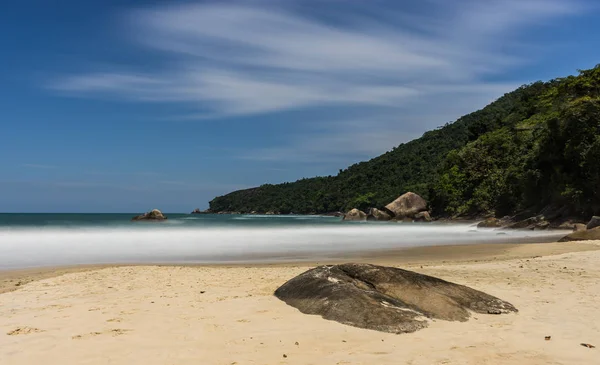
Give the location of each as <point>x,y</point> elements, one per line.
<point>226,314</point>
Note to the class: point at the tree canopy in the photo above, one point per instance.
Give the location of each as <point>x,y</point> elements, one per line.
<point>535,146</point>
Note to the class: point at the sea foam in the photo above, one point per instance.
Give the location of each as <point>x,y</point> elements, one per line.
<point>34,247</point>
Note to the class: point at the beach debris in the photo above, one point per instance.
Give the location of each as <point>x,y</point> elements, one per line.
<point>547,338</point>
<point>296,343</point>
<point>23,331</point>
<point>284,355</point>
<point>383,298</point>
<point>202,291</point>
<point>589,346</point>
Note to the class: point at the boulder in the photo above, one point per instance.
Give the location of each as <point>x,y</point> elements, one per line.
<point>588,234</point>
<point>537,222</point>
<point>579,227</point>
<point>490,223</point>
<point>423,217</point>
<point>153,215</point>
<point>385,299</point>
<point>407,205</point>
<point>593,223</point>
<point>378,215</point>
<point>355,215</point>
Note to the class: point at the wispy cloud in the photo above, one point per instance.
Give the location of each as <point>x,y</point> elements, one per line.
<point>258,57</point>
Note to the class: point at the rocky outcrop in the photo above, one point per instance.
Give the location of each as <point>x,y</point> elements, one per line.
<point>588,234</point>
<point>355,215</point>
<point>490,223</point>
<point>198,211</point>
<point>593,223</point>
<point>153,215</point>
<point>406,206</point>
<point>385,299</point>
<point>532,223</point>
<point>378,215</point>
<point>422,217</point>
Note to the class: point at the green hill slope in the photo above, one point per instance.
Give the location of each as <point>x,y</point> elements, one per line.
<point>535,146</point>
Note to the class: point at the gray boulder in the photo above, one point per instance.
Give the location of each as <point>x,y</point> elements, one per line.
<point>385,299</point>
<point>378,215</point>
<point>588,234</point>
<point>594,222</point>
<point>355,215</point>
<point>153,215</point>
<point>407,205</point>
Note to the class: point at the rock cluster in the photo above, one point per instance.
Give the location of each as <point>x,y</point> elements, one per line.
<point>407,207</point>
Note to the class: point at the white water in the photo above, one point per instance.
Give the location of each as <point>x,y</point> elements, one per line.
<point>34,247</point>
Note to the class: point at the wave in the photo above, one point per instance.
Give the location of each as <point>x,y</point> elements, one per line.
<point>32,247</point>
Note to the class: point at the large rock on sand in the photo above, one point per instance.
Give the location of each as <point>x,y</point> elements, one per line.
<point>153,215</point>
<point>407,205</point>
<point>385,299</point>
<point>593,223</point>
<point>378,215</point>
<point>355,215</point>
<point>589,234</point>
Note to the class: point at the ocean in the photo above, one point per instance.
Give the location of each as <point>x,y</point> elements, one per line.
<point>37,240</point>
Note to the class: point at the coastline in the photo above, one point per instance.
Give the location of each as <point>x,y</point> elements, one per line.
<point>13,279</point>
<point>227,313</point>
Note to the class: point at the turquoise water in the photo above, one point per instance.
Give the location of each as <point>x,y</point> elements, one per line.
<point>123,220</point>
<point>34,240</point>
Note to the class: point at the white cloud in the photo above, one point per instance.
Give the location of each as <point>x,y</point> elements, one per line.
<point>256,57</point>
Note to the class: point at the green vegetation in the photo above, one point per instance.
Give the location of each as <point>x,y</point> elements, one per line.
<point>536,146</point>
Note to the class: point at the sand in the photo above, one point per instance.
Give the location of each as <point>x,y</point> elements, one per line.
<point>228,315</point>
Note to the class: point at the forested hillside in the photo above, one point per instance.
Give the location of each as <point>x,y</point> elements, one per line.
<point>535,146</point>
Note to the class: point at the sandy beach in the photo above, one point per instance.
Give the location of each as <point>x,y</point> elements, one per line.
<point>228,315</point>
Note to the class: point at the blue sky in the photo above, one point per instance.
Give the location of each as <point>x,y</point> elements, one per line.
<point>124,106</point>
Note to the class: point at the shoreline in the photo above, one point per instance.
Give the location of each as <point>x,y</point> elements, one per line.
<point>227,314</point>
<point>13,279</point>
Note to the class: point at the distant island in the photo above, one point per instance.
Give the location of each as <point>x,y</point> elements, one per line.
<point>535,149</point>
